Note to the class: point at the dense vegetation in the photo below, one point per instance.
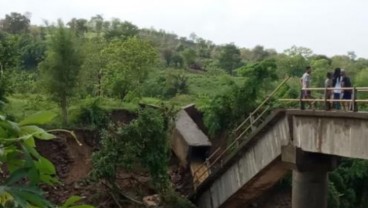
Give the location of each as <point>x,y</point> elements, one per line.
<point>83,69</point>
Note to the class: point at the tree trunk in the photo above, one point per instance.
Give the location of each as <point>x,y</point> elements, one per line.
<point>99,78</point>
<point>64,110</point>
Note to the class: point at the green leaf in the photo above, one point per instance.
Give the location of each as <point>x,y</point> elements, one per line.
<point>10,127</point>
<point>30,142</point>
<point>13,161</point>
<point>45,166</point>
<point>46,170</point>
<point>38,118</point>
<point>16,176</point>
<point>45,136</point>
<point>25,130</point>
<point>34,131</point>
<point>70,201</point>
<point>29,195</point>
<point>33,176</point>
<point>32,150</point>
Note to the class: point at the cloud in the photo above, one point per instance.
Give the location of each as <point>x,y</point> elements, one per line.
<point>328,27</point>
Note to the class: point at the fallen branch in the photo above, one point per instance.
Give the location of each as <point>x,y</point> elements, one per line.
<point>115,188</point>
<point>128,197</point>
<point>115,199</point>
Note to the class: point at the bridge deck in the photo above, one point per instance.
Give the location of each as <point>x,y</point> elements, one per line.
<point>256,165</point>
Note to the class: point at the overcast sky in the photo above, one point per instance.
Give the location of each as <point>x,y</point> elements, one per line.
<point>326,26</point>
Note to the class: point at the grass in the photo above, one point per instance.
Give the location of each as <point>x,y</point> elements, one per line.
<point>203,84</point>
<point>199,85</point>
<point>20,106</point>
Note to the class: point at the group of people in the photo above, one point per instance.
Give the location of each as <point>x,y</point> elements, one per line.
<point>335,84</point>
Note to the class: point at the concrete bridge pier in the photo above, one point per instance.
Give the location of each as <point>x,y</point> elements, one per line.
<point>310,176</point>
<point>309,189</point>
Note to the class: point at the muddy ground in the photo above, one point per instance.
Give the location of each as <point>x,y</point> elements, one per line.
<point>73,165</point>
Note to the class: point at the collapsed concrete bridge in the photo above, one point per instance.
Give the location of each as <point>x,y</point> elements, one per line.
<point>307,142</point>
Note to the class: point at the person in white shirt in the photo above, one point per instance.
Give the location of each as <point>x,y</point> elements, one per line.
<point>306,83</point>
<point>328,92</point>
<point>336,84</point>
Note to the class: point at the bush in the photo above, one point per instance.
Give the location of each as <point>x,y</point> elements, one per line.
<point>230,107</point>
<point>166,86</point>
<point>92,115</point>
<point>143,142</point>
<point>172,199</point>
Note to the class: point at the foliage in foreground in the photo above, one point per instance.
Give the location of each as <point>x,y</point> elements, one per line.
<point>23,167</point>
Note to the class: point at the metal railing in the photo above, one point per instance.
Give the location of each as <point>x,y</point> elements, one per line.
<point>256,117</point>
<point>347,104</point>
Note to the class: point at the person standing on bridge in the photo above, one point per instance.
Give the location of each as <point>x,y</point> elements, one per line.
<point>306,83</point>
<point>328,92</point>
<point>336,83</point>
<point>346,93</point>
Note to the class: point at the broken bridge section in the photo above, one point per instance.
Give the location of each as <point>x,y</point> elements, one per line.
<point>306,141</point>
<point>189,143</point>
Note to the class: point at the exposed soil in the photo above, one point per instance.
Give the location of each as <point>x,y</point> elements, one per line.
<point>72,162</point>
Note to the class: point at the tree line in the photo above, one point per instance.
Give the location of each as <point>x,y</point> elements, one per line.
<point>117,59</point>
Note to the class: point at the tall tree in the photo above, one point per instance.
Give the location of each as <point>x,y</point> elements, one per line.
<point>167,54</point>
<point>15,23</point>
<point>92,69</point>
<point>31,52</point>
<point>8,51</point>
<point>189,56</point>
<point>229,58</point>
<point>299,51</point>
<point>128,64</point>
<point>79,26</point>
<point>96,24</point>
<point>121,30</point>
<point>61,66</point>
<point>259,53</point>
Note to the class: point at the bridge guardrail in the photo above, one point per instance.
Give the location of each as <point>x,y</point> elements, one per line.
<point>246,127</point>
<point>256,117</point>
<point>352,103</point>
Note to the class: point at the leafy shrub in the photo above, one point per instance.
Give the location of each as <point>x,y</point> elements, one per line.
<point>225,109</point>
<point>142,142</point>
<point>174,200</point>
<point>3,91</point>
<point>176,83</point>
<point>348,184</point>
<point>92,115</point>
<point>166,86</point>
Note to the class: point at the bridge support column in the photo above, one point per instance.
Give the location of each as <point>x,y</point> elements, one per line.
<point>310,176</point>
<point>309,189</point>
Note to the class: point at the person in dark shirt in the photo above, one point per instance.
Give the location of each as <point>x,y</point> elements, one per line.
<point>346,93</point>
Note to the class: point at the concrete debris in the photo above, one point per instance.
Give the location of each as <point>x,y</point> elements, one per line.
<point>152,201</point>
